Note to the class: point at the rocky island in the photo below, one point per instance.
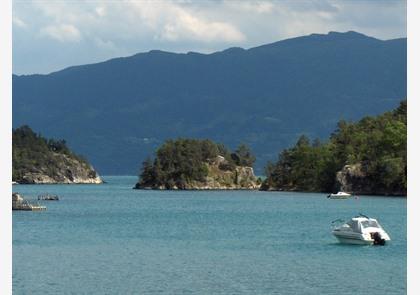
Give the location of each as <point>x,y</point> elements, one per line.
<point>37,160</point>
<point>192,164</point>
<point>368,157</point>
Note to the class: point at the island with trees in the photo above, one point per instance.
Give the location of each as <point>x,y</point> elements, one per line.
<point>194,164</point>
<point>366,157</point>
<point>37,160</point>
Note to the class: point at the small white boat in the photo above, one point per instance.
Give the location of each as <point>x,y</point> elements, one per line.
<point>361,230</point>
<point>339,195</point>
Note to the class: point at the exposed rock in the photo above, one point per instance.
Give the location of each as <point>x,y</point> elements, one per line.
<point>239,178</point>
<point>16,198</point>
<point>70,171</point>
<point>353,178</point>
<point>266,187</point>
<point>38,160</point>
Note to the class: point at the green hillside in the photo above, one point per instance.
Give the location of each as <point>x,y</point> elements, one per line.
<point>40,160</point>
<point>373,149</point>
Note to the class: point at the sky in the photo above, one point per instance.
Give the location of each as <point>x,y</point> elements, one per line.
<point>52,35</point>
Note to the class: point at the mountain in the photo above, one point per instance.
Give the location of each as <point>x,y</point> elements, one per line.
<point>40,160</point>
<point>119,111</point>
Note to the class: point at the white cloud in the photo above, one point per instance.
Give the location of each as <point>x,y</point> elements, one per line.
<point>105,44</point>
<point>177,22</point>
<point>62,33</point>
<point>18,22</point>
<point>104,29</point>
<point>260,7</point>
<point>100,10</point>
<point>184,26</point>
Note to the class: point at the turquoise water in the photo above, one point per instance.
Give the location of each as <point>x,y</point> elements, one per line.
<point>111,239</point>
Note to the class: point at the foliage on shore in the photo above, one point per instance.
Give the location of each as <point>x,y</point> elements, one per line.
<point>180,162</point>
<point>377,144</point>
<point>34,154</point>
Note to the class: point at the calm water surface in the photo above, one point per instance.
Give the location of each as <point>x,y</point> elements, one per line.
<point>111,239</point>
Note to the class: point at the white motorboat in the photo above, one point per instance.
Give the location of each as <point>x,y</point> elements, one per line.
<point>339,195</point>
<point>361,230</point>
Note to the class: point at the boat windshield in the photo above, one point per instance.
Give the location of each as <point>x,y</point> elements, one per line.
<point>354,225</point>
<point>370,223</point>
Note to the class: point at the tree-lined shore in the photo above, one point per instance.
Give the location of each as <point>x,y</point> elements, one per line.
<point>364,157</point>
<point>37,159</point>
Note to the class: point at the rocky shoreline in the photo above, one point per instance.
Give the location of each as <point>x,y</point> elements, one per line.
<point>69,171</point>
<point>352,179</point>
<point>239,178</point>
<point>38,160</point>
<point>43,179</point>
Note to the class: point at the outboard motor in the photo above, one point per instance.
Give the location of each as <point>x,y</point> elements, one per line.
<point>377,239</point>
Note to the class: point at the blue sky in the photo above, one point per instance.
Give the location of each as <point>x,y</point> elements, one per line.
<point>51,35</point>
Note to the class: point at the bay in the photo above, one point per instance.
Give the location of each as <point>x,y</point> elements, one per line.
<point>111,239</point>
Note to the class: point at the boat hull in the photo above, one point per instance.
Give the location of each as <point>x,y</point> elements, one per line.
<point>353,241</point>
<point>352,238</point>
<point>339,197</point>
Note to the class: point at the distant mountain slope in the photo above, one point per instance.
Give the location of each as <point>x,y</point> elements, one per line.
<point>117,112</point>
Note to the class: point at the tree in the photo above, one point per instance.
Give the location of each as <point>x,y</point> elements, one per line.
<point>147,174</point>
<point>243,156</point>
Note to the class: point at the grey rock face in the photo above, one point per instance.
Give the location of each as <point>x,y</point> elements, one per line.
<point>353,178</point>
<point>239,178</point>
<point>70,171</point>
